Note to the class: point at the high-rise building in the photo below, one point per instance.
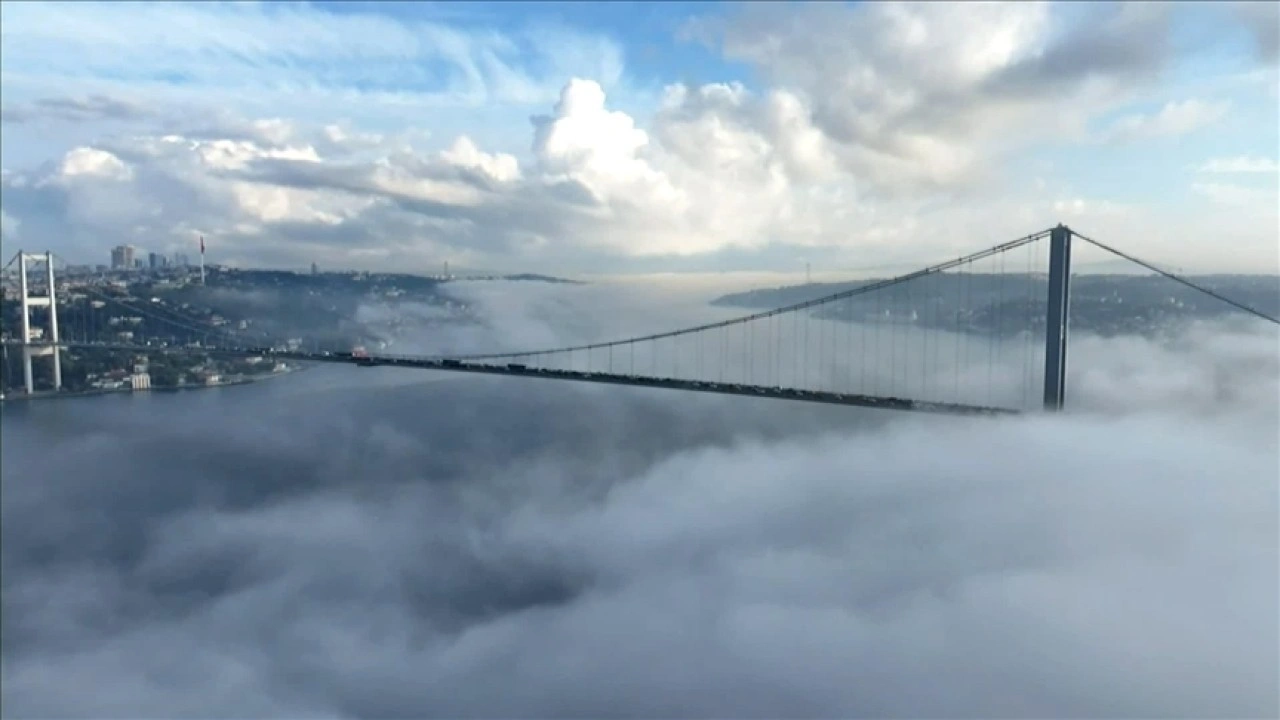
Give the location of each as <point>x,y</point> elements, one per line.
<point>157,261</point>
<point>314,270</point>
<point>122,257</point>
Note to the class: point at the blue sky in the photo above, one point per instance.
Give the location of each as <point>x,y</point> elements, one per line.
<point>649,32</point>
<point>795,124</point>
<point>640,42</point>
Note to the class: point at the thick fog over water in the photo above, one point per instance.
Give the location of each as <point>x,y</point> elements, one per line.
<point>378,543</point>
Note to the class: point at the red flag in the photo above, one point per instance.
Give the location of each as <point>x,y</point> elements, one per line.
<point>201,244</point>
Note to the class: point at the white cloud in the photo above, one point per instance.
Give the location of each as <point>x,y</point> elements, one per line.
<point>1235,195</point>
<point>1172,120</point>
<point>229,154</point>
<point>891,62</point>
<point>915,97</point>
<point>598,181</point>
<point>722,170</point>
<point>85,162</point>
<point>265,203</point>
<point>500,166</point>
<point>726,129</point>
<point>1240,164</point>
<point>600,148</point>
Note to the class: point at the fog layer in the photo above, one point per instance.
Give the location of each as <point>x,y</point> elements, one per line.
<point>378,543</point>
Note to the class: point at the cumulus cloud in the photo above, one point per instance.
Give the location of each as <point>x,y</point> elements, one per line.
<point>721,170</point>
<point>92,163</point>
<point>599,183</point>
<point>917,96</point>
<point>464,153</point>
<point>349,543</point>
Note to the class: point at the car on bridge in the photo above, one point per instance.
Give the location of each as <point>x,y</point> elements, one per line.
<point>361,356</point>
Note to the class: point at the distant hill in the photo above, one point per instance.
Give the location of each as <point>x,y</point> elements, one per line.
<point>526,277</point>
<point>1002,304</point>
<point>360,279</point>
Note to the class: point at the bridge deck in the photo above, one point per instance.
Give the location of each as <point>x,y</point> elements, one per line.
<point>516,370</point>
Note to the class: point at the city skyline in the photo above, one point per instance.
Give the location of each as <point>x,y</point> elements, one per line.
<point>130,257</point>
<point>640,138</point>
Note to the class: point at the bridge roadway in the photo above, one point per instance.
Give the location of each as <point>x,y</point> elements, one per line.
<point>446,364</point>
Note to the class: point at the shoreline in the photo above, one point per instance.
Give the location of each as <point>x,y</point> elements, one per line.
<point>52,395</point>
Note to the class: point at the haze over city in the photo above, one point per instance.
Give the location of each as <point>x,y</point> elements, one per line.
<point>780,482</point>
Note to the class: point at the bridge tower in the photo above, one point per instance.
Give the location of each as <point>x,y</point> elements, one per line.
<point>1055,349</point>
<point>50,346</point>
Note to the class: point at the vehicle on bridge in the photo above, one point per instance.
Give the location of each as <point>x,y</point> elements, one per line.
<point>361,355</point>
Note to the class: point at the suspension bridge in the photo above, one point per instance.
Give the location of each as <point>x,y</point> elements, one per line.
<point>985,333</point>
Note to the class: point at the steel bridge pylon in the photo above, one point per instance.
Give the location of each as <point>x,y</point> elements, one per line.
<point>1058,313</point>
<point>32,350</point>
